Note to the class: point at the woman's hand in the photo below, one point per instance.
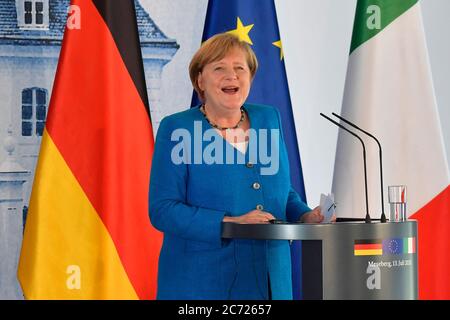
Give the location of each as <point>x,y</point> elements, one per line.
<point>252,217</point>
<point>315,216</point>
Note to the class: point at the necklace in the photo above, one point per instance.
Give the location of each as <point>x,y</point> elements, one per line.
<point>202,109</point>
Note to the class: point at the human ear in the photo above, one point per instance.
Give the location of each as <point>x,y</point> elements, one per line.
<point>200,81</point>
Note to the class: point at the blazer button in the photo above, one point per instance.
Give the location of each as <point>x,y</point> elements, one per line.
<point>260,207</point>
<point>256,186</point>
<point>249,165</point>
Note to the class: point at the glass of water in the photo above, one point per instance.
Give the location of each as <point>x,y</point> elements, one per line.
<point>397,201</point>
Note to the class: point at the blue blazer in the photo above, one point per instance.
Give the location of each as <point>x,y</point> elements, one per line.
<point>189,200</point>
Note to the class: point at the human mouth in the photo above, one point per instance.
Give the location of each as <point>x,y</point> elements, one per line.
<point>230,89</point>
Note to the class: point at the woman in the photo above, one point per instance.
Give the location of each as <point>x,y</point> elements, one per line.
<point>194,187</point>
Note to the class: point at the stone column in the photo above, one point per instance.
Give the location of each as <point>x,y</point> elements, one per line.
<point>12,178</point>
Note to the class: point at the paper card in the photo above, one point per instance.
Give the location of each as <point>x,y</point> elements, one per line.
<point>327,206</point>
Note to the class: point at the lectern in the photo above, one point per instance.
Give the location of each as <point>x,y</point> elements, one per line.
<point>354,260</point>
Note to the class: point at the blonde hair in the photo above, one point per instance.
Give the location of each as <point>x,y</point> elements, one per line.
<point>214,49</point>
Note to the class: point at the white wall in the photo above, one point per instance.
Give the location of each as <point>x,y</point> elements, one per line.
<point>316,39</point>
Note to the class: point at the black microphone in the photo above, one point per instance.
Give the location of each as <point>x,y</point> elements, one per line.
<point>368,220</point>
<point>383,215</point>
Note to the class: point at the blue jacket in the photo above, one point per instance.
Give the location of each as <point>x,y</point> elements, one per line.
<point>189,200</point>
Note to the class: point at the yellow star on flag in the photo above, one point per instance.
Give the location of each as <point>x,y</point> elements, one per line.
<point>278,44</point>
<point>242,31</point>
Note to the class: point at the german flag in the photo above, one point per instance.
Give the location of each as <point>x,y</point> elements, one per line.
<point>368,248</point>
<point>88,234</point>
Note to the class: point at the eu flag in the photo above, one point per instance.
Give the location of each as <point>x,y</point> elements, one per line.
<point>393,246</point>
<point>255,22</point>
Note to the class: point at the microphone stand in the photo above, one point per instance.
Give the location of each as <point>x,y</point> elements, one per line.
<point>383,215</point>
<point>368,220</point>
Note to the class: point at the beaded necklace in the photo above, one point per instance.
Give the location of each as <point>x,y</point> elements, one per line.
<point>202,109</point>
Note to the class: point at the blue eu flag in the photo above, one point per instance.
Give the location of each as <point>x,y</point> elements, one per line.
<point>255,22</point>
<point>393,246</point>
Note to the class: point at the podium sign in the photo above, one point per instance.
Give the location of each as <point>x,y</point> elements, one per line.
<point>358,260</point>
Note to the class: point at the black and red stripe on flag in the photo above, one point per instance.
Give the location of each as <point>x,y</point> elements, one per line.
<point>120,16</point>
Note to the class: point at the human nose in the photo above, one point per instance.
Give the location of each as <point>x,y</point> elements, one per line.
<point>230,73</point>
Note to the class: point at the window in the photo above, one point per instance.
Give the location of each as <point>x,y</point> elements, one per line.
<point>34,111</point>
<point>28,12</point>
<point>39,6</point>
<point>34,14</point>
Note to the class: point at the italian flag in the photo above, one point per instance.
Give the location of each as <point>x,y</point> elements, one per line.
<point>389,92</point>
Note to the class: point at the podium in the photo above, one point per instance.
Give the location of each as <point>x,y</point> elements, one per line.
<point>348,260</point>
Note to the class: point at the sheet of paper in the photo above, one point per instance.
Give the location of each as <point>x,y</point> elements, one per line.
<point>327,206</point>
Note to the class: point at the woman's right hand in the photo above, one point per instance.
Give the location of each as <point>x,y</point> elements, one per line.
<point>252,217</point>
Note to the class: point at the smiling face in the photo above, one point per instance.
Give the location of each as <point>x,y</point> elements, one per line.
<point>226,83</point>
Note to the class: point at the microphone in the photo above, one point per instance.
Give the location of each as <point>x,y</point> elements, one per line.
<point>383,215</point>
<point>368,220</point>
